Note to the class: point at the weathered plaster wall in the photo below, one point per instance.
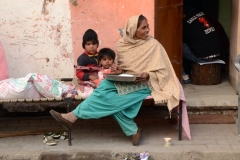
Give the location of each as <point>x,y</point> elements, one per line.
<point>105,17</point>
<point>235,42</point>
<point>35,42</point>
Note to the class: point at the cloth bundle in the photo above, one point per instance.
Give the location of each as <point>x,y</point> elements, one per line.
<point>34,85</point>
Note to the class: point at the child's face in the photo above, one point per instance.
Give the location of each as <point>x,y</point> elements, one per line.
<point>91,47</point>
<point>106,62</point>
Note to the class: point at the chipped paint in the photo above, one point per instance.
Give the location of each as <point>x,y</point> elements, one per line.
<point>45,10</point>
<point>35,42</point>
<point>74,2</point>
<point>45,43</point>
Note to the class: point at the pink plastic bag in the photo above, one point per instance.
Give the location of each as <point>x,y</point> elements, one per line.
<point>3,64</point>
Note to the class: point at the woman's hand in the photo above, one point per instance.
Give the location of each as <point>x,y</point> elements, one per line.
<point>116,69</point>
<point>144,76</point>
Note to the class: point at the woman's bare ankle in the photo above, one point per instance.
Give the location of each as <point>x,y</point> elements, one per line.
<point>70,117</point>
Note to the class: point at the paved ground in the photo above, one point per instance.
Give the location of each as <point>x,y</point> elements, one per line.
<point>103,139</point>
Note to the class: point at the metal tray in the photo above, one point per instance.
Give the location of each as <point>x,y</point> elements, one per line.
<point>121,77</point>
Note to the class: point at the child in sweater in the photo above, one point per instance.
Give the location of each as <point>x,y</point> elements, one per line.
<point>87,69</point>
<point>106,59</point>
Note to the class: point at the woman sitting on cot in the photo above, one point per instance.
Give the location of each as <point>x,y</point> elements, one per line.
<point>138,53</point>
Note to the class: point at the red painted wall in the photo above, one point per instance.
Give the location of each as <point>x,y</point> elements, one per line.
<point>105,17</point>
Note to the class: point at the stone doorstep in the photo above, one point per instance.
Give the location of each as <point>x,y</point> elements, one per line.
<point>230,112</point>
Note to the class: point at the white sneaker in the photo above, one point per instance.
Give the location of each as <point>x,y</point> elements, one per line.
<point>186,79</point>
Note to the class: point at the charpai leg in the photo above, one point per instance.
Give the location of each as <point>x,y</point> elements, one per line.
<point>69,137</point>
<point>180,121</point>
<point>68,102</point>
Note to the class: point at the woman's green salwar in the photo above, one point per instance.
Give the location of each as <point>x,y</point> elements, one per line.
<point>105,101</point>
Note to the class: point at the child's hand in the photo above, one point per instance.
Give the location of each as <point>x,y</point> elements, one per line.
<point>93,77</point>
<point>116,69</point>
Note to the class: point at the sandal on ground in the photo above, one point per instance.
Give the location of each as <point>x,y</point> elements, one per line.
<point>57,134</point>
<point>64,136</point>
<point>48,140</point>
<point>48,134</point>
<point>60,135</point>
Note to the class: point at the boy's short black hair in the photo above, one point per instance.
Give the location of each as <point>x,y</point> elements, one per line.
<point>106,52</point>
<point>90,35</point>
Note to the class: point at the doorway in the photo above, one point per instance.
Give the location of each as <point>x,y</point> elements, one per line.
<point>168,26</point>
<point>168,19</point>
<point>219,11</point>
